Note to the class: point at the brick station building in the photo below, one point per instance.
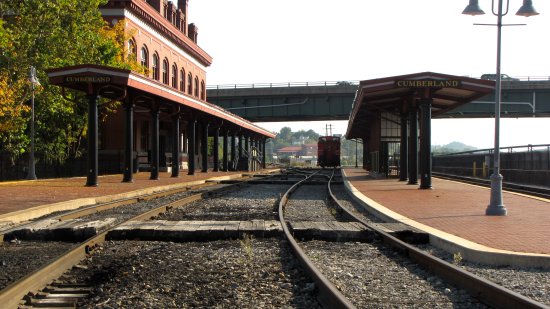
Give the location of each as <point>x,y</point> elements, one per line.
<point>165,120</point>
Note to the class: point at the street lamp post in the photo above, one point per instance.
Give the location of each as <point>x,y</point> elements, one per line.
<point>34,81</point>
<point>496,206</point>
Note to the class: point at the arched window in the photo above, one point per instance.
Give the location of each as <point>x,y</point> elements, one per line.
<point>203,91</point>
<point>165,71</point>
<point>175,76</point>
<point>132,50</point>
<point>196,87</point>
<point>156,68</point>
<point>144,57</point>
<point>190,84</point>
<point>182,80</point>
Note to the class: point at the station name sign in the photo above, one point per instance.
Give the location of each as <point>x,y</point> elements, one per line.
<point>427,83</point>
<point>88,79</point>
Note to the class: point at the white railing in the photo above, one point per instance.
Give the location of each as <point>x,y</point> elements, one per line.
<point>332,83</point>
<point>285,84</point>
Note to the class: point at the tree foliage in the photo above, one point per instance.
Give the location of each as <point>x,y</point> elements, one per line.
<point>286,137</point>
<point>50,34</point>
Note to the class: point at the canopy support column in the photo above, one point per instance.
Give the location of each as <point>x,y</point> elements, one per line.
<point>425,144</point>
<point>413,145</point>
<point>129,142</point>
<point>93,161</point>
<point>191,147</point>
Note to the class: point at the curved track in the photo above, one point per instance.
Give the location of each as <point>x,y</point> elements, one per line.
<point>329,296</point>
<point>486,291</point>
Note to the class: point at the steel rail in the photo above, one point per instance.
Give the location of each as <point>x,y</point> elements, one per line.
<point>484,290</point>
<point>11,296</point>
<point>328,295</point>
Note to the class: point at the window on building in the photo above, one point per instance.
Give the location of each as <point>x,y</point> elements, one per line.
<point>190,84</point>
<point>144,57</point>
<point>196,87</point>
<point>165,71</point>
<point>182,80</point>
<point>175,76</point>
<point>203,91</point>
<point>156,74</point>
<point>165,11</point>
<point>132,50</point>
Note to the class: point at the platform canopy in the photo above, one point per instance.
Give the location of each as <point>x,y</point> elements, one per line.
<point>120,84</point>
<point>398,94</point>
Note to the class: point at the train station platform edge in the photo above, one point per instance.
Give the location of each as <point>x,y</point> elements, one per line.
<point>453,215</point>
<point>29,199</point>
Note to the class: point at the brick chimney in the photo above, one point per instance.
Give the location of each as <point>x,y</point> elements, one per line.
<point>181,22</point>
<point>193,32</point>
<point>171,15</point>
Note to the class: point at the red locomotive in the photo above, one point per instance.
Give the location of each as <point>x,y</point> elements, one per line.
<point>328,151</point>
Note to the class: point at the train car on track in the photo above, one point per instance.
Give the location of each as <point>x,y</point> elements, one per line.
<point>328,151</point>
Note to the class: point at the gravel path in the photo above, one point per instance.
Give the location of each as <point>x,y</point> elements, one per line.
<point>374,276</point>
<point>309,203</point>
<point>18,258</point>
<point>251,273</point>
<point>531,282</point>
<point>245,203</point>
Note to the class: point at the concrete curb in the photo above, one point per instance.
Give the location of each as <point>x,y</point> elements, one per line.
<point>469,250</point>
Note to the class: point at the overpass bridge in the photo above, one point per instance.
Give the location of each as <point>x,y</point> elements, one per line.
<point>308,101</point>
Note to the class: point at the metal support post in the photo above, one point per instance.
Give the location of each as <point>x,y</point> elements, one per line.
<point>128,142</point>
<point>403,155</point>
<point>216,149</point>
<point>176,145</point>
<point>191,147</point>
<point>413,147</point>
<point>426,144</point>
<point>204,147</point>
<point>155,112</point>
<point>93,161</point>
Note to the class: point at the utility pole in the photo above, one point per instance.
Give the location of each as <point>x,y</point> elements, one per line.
<point>34,81</point>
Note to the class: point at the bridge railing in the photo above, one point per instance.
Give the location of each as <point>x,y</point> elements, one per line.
<point>330,83</point>
<point>528,164</point>
<point>285,84</point>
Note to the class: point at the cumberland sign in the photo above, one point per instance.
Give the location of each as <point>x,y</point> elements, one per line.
<point>427,83</point>
<point>88,79</point>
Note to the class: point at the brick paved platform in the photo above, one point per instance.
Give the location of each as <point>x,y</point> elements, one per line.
<point>70,193</point>
<point>453,214</point>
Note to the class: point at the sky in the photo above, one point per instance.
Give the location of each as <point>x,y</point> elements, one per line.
<point>264,41</point>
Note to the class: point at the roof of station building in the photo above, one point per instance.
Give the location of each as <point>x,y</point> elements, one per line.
<point>397,94</point>
<point>118,82</point>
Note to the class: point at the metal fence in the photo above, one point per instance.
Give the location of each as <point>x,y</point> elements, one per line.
<point>529,164</point>
<point>111,163</point>
<point>285,84</point>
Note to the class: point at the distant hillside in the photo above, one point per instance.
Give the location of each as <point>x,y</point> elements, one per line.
<point>451,147</point>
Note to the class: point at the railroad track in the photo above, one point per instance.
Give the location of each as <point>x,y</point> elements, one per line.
<point>44,276</point>
<point>222,265</point>
<point>485,291</point>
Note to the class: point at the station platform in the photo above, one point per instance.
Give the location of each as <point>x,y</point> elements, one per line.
<point>48,195</point>
<point>453,214</point>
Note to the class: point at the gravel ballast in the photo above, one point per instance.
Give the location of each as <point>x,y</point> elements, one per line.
<point>249,202</point>
<point>251,273</point>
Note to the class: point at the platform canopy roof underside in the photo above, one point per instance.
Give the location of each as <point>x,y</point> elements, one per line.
<point>120,84</point>
<point>398,94</point>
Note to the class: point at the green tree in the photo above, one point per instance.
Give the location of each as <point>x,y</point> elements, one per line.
<point>50,34</point>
